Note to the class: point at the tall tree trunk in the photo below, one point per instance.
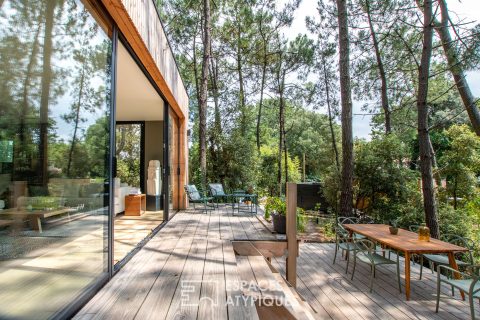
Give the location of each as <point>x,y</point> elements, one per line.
<point>381,71</point>
<point>203,92</point>
<point>281,124</point>
<point>346,197</point>
<point>330,116</point>
<point>77,118</point>
<point>429,202</point>
<point>243,120</point>
<point>456,68</point>
<point>26,85</point>
<point>195,72</point>
<point>285,155</point>
<point>216,94</point>
<point>45,93</point>
<point>216,145</point>
<point>262,88</point>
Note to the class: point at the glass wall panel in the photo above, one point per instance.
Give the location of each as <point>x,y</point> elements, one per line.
<point>54,145</point>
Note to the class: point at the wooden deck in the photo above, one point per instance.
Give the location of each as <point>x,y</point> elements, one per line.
<point>334,296</point>
<point>195,249</point>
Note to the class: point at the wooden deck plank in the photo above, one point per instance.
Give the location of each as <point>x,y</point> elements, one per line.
<point>238,307</point>
<point>158,299</point>
<point>212,298</point>
<point>329,297</point>
<point>237,228</point>
<point>191,278</point>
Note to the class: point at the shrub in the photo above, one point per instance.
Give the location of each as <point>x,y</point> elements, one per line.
<point>302,220</point>
<point>279,206</point>
<point>275,204</point>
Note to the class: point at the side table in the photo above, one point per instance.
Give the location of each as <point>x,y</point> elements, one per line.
<point>135,204</point>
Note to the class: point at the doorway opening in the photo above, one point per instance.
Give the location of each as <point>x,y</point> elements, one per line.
<point>139,158</point>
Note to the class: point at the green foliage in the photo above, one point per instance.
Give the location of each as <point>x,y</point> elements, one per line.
<point>461,162</point>
<point>302,220</point>
<point>278,205</point>
<point>383,179</point>
<point>128,153</point>
<point>267,181</point>
<point>275,205</point>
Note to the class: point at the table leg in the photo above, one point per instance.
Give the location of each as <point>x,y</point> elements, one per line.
<point>453,264</point>
<point>407,275</point>
<point>36,223</point>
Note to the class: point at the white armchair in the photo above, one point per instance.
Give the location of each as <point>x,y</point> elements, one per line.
<point>121,190</point>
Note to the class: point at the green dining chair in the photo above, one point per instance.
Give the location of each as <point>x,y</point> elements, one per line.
<point>350,220</point>
<point>344,242</point>
<point>367,252</point>
<point>463,259</point>
<point>467,283</point>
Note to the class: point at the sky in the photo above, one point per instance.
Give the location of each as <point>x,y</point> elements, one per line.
<point>465,9</point>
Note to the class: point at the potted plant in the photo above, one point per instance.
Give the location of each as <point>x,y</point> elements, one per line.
<point>278,210</point>
<point>393,227</point>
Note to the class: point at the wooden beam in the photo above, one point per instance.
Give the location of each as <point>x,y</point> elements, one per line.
<point>292,233</point>
<point>139,24</point>
<point>266,248</point>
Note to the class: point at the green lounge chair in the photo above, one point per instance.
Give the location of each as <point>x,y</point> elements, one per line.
<point>218,193</point>
<point>194,196</point>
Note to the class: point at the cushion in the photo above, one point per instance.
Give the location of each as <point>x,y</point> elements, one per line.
<point>87,190</point>
<point>40,203</point>
<point>193,193</point>
<point>71,190</point>
<point>55,189</point>
<point>216,189</point>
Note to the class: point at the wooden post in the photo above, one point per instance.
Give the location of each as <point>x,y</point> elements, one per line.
<point>292,233</point>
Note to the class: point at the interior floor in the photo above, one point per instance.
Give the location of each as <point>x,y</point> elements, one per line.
<point>56,265</point>
<point>131,230</point>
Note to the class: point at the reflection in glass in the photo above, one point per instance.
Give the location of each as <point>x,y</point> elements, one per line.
<point>128,153</point>
<point>54,138</point>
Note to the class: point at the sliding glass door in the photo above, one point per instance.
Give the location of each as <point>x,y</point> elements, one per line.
<point>55,100</point>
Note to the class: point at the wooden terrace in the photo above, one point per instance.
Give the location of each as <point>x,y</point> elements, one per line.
<point>197,249</point>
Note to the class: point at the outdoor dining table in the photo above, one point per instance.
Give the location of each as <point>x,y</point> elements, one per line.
<point>241,196</point>
<point>408,243</point>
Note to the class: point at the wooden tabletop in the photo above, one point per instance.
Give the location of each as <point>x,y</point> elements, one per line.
<point>405,240</point>
<point>39,213</point>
